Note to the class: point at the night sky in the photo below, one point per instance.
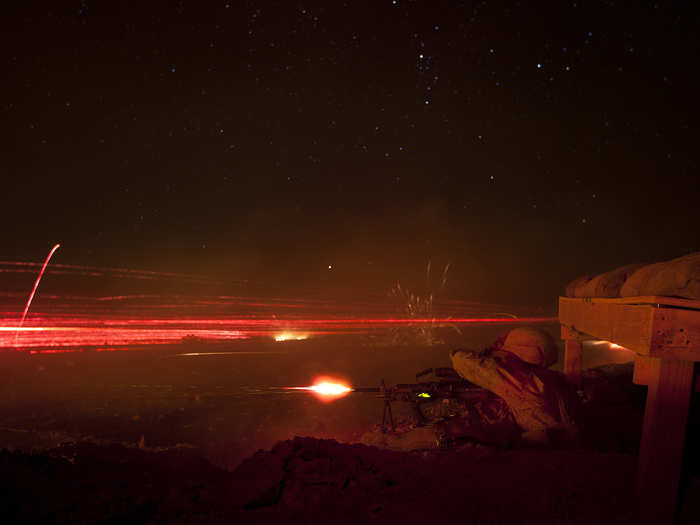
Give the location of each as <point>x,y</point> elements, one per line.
<point>341,145</point>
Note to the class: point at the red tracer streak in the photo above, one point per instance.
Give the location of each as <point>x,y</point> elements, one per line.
<point>36,285</point>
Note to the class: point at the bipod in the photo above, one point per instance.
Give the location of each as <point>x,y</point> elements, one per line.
<point>387,408</point>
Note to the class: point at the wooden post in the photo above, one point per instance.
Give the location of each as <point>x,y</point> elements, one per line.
<point>663,436</point>
<point>573,353</point>
<point>642,369</point>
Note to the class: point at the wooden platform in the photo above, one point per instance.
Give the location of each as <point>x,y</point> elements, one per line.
<point>664,332</point>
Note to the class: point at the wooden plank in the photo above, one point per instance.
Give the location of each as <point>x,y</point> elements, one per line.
<point>573,354</point>
<point>624,324</point>
<point>660,300</point>
<point>676,334</point>
<point>663,435</point>
<point>690,304</point>
<point>670,333</point>
<point>652,300</point>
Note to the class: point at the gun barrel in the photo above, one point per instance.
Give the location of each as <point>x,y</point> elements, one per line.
<point>373,389</point>
<point>435,388</point>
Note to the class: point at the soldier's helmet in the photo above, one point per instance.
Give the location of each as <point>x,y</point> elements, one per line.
<point>532,346</point>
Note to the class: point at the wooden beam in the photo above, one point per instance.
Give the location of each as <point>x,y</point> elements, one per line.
<point>573,354</point>
<point>626,325</point>
<point>663,435</point>
<point>676,334</point>
<point>654,300</point>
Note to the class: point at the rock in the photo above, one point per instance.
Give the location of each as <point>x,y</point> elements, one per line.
<point>540,400</point>
<point>418,438</point>
<point>532,346</point>
<point>259,479</point>
<point>319,477</point>
<point>676,278</point>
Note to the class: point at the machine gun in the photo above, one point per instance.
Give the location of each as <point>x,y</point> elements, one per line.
<point>444,384</point>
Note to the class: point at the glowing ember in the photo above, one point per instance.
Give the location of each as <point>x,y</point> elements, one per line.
<point>288,336</point>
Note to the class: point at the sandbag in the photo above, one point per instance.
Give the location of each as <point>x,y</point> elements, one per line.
<point>676,278</point>
<point>575,287</point>
<point>608,284</point>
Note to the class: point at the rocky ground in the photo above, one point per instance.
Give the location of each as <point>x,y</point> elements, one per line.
<point>307,480</point>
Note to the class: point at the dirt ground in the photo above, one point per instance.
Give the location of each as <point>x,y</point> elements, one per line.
<point>222,404</point>
<point>153,436</point>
